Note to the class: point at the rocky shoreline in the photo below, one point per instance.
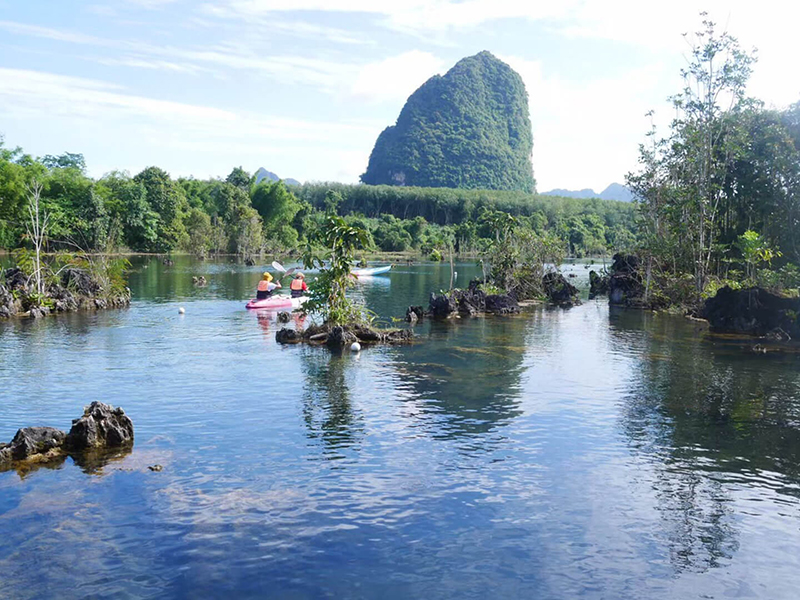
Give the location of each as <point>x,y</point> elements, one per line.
<point>74,290</point>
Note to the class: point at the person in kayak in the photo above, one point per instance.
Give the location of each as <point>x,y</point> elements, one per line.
<point>298,286</point>
<point>266,287</point>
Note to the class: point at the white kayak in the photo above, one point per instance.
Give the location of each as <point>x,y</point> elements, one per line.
<point>371,271</point>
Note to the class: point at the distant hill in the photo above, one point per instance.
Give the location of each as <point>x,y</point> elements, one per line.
<point>615,191</point>
<point>468,129</point>
<point>263,174</point>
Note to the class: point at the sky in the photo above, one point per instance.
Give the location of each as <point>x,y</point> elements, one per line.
<point>304,87</point>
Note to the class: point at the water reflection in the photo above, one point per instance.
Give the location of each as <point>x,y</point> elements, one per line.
<point>327,406</point>
<point>711,419</point>
<point>91,462</point>
<point>466,375</point>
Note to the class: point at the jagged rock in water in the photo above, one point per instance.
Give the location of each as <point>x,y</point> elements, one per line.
<point>414,314</point>
<point>753,311</point>
<point>501,304</point>
<point>16,279</point>
<point>625,286</point>
<point>287,336</point>
<point>397,336</point>
<point>80,281</point>
<point>8,305</point>
<point>471,302</point>
<point>63,299</point>
<point>441,306</point>
<point>33,443</point>
<point>339,337</point>
<point>559,291</point>
<point>284,317</point>
<point>469,128</point>
<point>101,426</point>
<point>598,284</point>
<point>37,312</point>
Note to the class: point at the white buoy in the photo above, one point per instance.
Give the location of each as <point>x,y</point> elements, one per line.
<point>181,310</point>
<point>355,347</point>
<point>455,274</point>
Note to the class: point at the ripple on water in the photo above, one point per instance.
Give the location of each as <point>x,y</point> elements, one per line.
<point>561,454</point>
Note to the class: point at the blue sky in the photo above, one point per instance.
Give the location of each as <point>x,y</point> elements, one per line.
<point>304,87</point>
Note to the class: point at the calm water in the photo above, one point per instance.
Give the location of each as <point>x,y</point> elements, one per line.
<point>586,453</point>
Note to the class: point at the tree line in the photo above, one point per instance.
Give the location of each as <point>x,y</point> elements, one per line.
<point>152,212</point>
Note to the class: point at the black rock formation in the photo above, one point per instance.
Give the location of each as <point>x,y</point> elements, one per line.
<point>753,311</point>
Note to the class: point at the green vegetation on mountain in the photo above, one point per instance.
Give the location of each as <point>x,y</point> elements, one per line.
<point>466,129</point>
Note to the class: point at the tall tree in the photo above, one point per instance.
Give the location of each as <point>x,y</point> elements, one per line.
<point>166,198</point>
<point>681,183</point>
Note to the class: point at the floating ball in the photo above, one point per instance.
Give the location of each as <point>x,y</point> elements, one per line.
<point>181,310</point>
<point>355,347</point>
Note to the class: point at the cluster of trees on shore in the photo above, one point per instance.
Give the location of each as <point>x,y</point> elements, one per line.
<point>719,196</point>
<point>151,212</point>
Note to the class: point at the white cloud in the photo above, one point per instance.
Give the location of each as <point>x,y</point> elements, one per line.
<point>149,4</point>
<point>45,93</point>
<point>414,15</point>
<point>396,77</point>
<point>586,133</point>
<point>188,138</point>
<point>52,34</point>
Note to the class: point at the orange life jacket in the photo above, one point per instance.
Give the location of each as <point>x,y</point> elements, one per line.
<point>263,286</point>
<point>296,285</point>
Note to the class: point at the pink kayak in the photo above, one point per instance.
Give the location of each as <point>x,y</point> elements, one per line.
<point>276,302</point>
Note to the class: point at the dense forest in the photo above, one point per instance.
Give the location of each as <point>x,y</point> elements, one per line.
<point>151,212</point>
<point>469,128</point>
<point>719,195</point>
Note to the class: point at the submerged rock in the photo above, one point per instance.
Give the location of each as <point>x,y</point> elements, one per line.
<point>101,426</point>
<point>284,317</point>
<point>559,291</point>
<point>753,311</point>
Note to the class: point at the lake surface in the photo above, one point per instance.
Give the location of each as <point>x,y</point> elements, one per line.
<point>581,453</point>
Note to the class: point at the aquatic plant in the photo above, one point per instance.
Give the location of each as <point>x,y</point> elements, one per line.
<point>340,242</point>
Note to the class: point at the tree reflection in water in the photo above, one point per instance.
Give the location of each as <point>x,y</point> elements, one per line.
<point>466,378</point>
<point>710,417</point>
<point>327,407</point>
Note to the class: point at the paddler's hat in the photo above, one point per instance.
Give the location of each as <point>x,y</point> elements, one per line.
<point>267,276</point>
